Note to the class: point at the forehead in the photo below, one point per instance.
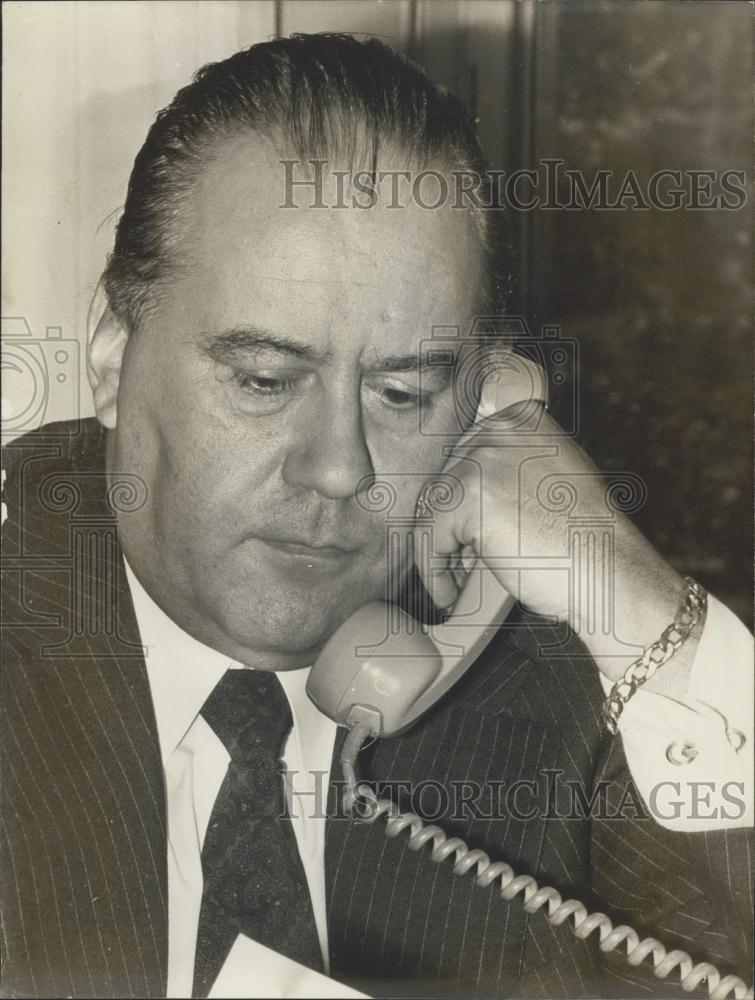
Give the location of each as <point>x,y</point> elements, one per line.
<point>322,272</point>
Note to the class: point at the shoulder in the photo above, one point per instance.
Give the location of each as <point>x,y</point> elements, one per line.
<point>58,537</point>
<point>74,444</point>
<point>51,477</point>
<point>538,672</point>
<point>39,465</point>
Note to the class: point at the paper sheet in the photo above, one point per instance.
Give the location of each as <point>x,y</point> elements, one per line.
<point>252,970</point>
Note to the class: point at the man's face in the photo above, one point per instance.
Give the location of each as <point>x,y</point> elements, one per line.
<point>276,375</point>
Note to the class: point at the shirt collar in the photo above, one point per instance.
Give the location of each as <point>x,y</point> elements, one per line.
<point>182,673</point>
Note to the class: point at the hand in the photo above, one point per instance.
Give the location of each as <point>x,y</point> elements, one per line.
<point>522,488</point>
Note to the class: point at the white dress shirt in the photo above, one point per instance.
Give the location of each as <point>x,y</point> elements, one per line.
<point>182,673</point>
<point>690,758</point>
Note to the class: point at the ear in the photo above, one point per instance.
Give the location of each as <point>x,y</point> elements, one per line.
<point>107,339</point>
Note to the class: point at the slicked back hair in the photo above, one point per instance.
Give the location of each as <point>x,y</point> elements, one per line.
<point>321,95</point>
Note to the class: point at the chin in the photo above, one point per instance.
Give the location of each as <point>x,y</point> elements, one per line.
<point>295,623</point>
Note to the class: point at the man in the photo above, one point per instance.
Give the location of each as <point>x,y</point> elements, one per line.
<point>259,364</point>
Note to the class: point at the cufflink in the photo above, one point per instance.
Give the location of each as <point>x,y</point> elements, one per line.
<point>736,738</point>
<point>680,753</point>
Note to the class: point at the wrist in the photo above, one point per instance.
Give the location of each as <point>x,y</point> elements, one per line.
<point>690,613</point>
<point>644,598</point>
<point>678,637</point>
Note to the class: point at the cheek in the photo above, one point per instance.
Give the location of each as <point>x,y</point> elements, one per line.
<point>421,444</point>
<point>202,475</point>
<point>400,475</point>
<point>217,476</point>
<point>204,459</point>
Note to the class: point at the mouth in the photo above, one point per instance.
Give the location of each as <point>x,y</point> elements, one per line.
<point>328,553</point>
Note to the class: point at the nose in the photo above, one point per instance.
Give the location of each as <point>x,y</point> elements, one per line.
<point>330,454</point>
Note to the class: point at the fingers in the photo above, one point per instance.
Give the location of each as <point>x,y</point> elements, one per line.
<point>444,590</point>
<point>442,583</point>
<point>468,558</point>
<point>442,574</point>
<point>522,424</point>
<point>442,555</point>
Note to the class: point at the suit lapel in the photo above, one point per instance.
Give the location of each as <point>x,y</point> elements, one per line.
<point>84,809</point>
<point>393,915</point>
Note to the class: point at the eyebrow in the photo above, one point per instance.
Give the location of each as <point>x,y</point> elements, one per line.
<point>223,347</point>
<point>427,364</point>
<point>252,340</point>
<point>404,363</point>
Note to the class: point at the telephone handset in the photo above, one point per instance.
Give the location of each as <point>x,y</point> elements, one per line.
<point>381,668</point>
<point>380,671</point>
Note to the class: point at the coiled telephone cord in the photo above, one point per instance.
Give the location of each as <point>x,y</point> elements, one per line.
<point>361,797</point>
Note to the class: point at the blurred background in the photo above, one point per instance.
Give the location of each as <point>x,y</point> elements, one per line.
<point>658,302</point>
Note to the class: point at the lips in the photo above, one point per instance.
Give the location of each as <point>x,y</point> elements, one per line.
<point>326,550</point>
<point>300,548</point>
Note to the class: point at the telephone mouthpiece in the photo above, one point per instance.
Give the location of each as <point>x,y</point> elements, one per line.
<point>373,669</point>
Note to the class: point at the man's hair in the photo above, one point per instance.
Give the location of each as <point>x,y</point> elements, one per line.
<point>320,95</point>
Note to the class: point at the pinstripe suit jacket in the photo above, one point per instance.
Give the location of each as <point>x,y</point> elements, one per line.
<point>83,865</point>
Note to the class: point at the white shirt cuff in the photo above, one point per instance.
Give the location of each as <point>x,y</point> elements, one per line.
<point>691,759</point>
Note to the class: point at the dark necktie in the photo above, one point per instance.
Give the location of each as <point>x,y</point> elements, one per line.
<point>254,881</point>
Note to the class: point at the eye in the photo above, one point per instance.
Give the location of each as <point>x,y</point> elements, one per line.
<point>399,398</point>
<point>262,385</point>
<point>395,395</point>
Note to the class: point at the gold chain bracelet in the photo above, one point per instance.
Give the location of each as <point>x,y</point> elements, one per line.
<point>691,609</point>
